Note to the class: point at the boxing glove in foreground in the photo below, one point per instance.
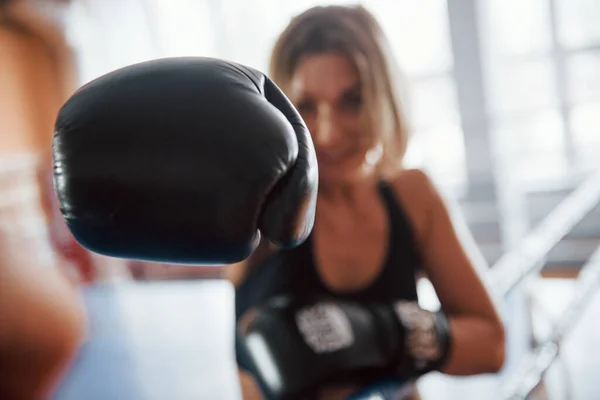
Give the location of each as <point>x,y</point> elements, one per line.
<point>184,160</point>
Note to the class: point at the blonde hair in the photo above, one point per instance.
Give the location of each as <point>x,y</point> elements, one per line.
<point>355,33</point>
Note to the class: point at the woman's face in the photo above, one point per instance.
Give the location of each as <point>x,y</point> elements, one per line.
<point>326,90</point>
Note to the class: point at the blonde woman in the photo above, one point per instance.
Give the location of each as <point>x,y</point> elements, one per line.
<point>378,227</point>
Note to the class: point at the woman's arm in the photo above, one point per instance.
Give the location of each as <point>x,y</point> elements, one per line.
<point>456,269</point>
<point>236,273</point>
<point>249,387</point>
<point>42,321</point>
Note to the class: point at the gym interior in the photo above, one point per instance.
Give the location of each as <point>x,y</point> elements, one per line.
<point>504,107</point>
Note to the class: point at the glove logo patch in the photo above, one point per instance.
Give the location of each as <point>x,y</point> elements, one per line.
<point>325,328</point>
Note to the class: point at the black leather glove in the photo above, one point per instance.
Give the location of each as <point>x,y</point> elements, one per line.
<point>297,345</point>
<point>184,160</point>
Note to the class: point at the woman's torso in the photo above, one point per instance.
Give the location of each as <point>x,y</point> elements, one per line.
<point>328,263</point>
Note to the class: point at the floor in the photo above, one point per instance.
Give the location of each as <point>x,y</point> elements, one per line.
<point>173,341</point>
<point>164,341</point>
<point>575,375</point>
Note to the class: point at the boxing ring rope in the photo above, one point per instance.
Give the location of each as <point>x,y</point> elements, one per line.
<point>516,266</point>
<point>532,367</point>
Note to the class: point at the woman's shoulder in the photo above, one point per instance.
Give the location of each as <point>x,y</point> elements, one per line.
<point>414,180</point>
<point>416,192</point>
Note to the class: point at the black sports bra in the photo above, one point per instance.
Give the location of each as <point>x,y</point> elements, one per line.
<point>293,271</point>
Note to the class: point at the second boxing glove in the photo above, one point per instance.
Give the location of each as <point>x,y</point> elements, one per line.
<point>296,345</point>
<point>184,160</point>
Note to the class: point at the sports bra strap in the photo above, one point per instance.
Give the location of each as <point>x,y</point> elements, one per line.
<point>400,222</point>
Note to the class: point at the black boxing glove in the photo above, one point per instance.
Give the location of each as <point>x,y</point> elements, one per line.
<point>184,160</point>
<point>296,346</point>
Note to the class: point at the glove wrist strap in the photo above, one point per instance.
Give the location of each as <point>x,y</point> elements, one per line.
<point>426,338</point>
